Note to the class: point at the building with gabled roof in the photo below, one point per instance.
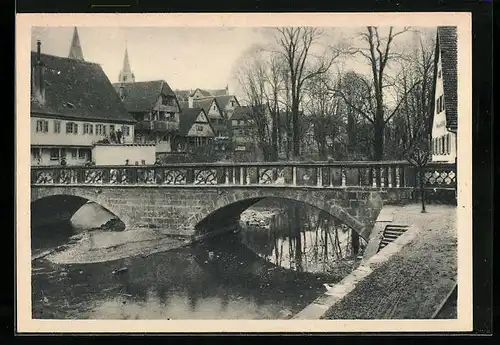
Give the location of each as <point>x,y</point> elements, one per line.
<point>444,114</point>
<point>195,130</point>
<point>154,106</point>
<point>228,103</point>
<point>73,106</point>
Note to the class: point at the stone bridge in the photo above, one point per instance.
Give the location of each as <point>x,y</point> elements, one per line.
<point>187,199</point>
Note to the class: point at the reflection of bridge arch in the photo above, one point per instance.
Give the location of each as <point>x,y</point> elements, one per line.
<point>51,205</point>
<point>227,209</point>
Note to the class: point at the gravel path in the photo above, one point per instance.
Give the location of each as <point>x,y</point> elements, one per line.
<point>413,283</point>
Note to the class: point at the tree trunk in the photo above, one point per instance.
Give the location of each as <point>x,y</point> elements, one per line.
<point>378,148</point>
<point>295,129</point>
<point>422,189</point>
<point>274,136</point>
<point>354,243</point>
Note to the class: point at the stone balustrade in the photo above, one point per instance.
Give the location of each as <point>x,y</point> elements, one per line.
<point>390,174</point>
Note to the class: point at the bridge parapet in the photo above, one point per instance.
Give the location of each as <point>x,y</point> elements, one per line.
<point>394,174</point>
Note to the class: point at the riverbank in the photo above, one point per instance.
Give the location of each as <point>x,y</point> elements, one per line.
<point>408,279</point>
<point>100,246</point>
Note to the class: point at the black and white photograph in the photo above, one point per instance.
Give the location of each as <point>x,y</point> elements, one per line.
<point>245,170</point>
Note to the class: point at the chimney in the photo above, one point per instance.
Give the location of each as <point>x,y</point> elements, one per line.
<point>190,101</point>
<point>38,75</point>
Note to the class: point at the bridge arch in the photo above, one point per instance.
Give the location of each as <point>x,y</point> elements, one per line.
<point>227,209</point>
<point>64,203</point>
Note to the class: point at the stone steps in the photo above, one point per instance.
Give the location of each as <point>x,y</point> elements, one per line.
<point>390,234</point>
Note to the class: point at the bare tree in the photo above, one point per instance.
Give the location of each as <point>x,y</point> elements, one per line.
<point>379,54</point>
<point>417,110</point>
<point>252,77</point>
<point>418,154</point>
<point>275,85</point>
<point>357,98</point>
<point>294,45</point>
<point>323,111</point>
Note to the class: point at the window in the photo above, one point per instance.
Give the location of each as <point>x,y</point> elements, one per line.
<point>54,154</point>
<point>199,128</point>
<point>111,128</point>
<point>88,128</point>
<point>57,126</point>
<point>213,107</point>
<point>100,129</point>
<point>42,126</point>
<point>126,131</point>
<point>73,153</point>
<point>82,154</point>
<point>439,104</point>
<point>71,127</point>
<point>35,153</point>
<point>232,103</point>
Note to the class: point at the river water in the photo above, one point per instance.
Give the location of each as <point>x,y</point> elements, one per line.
<point>262,272</point>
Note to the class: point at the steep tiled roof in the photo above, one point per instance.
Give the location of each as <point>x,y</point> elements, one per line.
<point>78,89</point>
<point>183,94</point>
<point>242,113</point>
<point>187,118</point>
<point>447,41</point>
<point>142,96</point>
<point>184,105</point>
<point>224,100</point>
<point>204,93</point>
<point>216,93</point>
<point>205,103</point>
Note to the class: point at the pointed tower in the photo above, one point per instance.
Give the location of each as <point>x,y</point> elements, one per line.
<point>75,51</point>
<point>126,75</point>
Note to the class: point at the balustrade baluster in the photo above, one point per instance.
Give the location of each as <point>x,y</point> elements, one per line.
<point>294,176</point>
<point>343,176</point>
<point>257,172</point>
<point>390,177</point>
<point>382,176</point>
<point>242,175</point>
<point>402,177</point>
<point>248,172</point>
<point>226,173</point>
<point>319,176</point>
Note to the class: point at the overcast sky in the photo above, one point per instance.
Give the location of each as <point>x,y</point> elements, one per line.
<point>185,57</point>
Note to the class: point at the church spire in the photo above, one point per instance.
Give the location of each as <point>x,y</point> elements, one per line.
<point>75,51</point>
<point>126,75</point>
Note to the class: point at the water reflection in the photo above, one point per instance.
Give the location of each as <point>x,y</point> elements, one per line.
<point>303,239</point>
<point>259,273</point>
<point>177,284</point>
